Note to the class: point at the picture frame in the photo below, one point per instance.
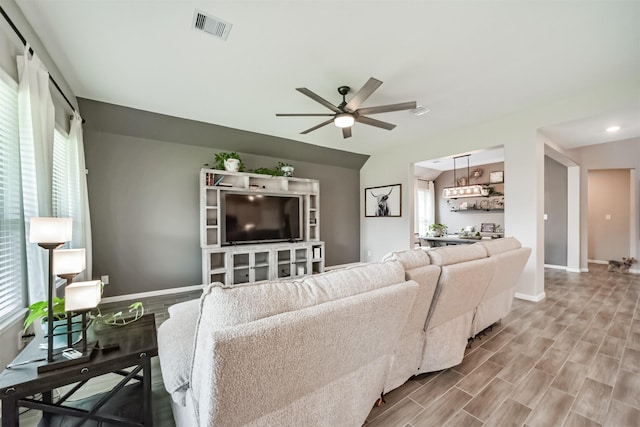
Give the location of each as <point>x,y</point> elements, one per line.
<point>383,201</point>
<point>487,227</point>
<point>496,177</point>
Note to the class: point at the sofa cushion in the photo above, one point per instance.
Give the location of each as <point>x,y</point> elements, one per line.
<point>412,258</point>
<point>223,306</point>
<point>497,246</point>
<point>175,348</point>
<point>455,254</point>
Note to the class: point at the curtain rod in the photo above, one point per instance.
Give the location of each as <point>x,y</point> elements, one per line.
<point>24,43</point>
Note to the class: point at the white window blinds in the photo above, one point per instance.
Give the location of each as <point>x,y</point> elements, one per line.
<point>11,217</point>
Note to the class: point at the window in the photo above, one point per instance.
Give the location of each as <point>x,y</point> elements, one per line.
<point>65,183</point>
<point>425,207</point>
<point>12,277</point>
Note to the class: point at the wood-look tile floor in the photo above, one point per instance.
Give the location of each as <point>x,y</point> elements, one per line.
<point>570,360</point>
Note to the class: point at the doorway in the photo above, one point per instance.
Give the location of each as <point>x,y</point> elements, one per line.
<point>610,214</point>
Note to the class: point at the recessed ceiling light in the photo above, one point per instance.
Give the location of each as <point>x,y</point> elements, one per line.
<point>612,129</point>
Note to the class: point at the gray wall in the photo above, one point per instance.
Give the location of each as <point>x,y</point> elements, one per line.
<point>555,207</point>
<point>457,220</point>
<point>143,195</point>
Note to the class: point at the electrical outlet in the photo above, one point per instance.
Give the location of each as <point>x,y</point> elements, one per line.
<point>24,338</point>
<point>105,279</point>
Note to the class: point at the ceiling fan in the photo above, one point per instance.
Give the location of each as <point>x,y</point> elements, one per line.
<point>347,113</point>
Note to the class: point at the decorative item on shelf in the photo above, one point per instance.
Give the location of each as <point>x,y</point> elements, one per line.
<point>286,169</point>
<point>437,230</point>
<point>384,201</point>
<point>460,186</point>
<point>476,174</point>
<point>228,161</point>
<point>496,177</point>
<point>281,169</point>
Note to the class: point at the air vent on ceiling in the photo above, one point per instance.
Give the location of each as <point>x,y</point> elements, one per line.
<point>420,110</point>
<point>212,25</point>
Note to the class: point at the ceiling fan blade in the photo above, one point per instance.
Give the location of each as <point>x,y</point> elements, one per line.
<point>346,132</point>
<point>317,127</point>
<point>373,122</point>
<point>319,99</point>
<point>387,108</point>
<point>302,115</point>
<point>365,92</point>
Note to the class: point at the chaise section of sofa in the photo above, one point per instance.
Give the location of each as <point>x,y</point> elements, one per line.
<point>408,354</point>
<point>496,302</point>
<point>310,352</point>
<point>464,278</point>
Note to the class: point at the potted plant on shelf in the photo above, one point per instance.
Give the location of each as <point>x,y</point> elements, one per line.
<point>286,169</point>
<point>228,161</point>
<point>437,230</point>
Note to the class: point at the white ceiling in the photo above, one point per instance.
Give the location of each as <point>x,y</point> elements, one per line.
<point>467,61</point>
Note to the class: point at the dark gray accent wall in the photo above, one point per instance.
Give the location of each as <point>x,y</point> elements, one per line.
<point>555,207</point>
<point>144,201</point>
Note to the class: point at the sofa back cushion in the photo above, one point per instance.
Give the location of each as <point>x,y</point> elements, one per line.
<point>497,246</point>
<point>224,306</point>
<point>456,254</point>
<point>411,258</point>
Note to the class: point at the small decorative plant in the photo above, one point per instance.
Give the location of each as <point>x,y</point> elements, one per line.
<point>220,158</point>
<point>40,310</point>
<point>281,169</point>
<point>136,311</point>
<point>437,230</point>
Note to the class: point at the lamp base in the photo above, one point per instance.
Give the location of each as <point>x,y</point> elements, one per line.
<point>61,362</point>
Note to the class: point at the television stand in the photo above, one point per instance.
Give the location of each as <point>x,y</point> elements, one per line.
<point>245,263</point>
<point>233,265</point>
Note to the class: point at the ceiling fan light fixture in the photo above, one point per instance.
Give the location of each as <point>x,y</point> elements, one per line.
<point>344,120</point>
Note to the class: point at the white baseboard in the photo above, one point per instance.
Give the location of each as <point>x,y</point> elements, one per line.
<point>139,295</point>
<point>584,270</point>
<point>557,267</point>
<point>527,297</point>
<point>598,261</point>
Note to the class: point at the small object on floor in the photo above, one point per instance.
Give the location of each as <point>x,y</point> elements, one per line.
<point>622,267</point>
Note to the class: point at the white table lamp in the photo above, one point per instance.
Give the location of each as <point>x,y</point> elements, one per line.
<point>80,296</point>
<point>69,262</point>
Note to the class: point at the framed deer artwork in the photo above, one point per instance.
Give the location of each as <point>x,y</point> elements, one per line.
<point>385,201</point>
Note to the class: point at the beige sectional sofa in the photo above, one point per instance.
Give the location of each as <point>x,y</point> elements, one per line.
<point>320,351</point>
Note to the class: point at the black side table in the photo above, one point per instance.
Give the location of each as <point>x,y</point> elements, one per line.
<point>137,345</point>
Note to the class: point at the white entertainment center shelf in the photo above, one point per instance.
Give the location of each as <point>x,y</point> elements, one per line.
<point>243,263</point>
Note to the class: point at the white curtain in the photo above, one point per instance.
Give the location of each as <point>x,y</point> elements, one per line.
<point>77,173</point>
<point>36,121</point>
<point>425,206</point>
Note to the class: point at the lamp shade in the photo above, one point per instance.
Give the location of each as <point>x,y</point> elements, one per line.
<point>344,120</point>
<point>50,230</point>
<point>80,296</point>
<point>69,261</point>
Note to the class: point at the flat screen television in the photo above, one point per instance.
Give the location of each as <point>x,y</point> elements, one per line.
<point>260,218</point>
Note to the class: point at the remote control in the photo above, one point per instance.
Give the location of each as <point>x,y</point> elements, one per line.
<point>71,353</point>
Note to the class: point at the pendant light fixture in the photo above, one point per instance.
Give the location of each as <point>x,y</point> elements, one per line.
<point>463,190</point>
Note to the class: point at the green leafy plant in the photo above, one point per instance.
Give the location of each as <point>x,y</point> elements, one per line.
<point>219,159</point>
<point>276,171</point>
<point>40,310</point>
<point>136,311</point>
